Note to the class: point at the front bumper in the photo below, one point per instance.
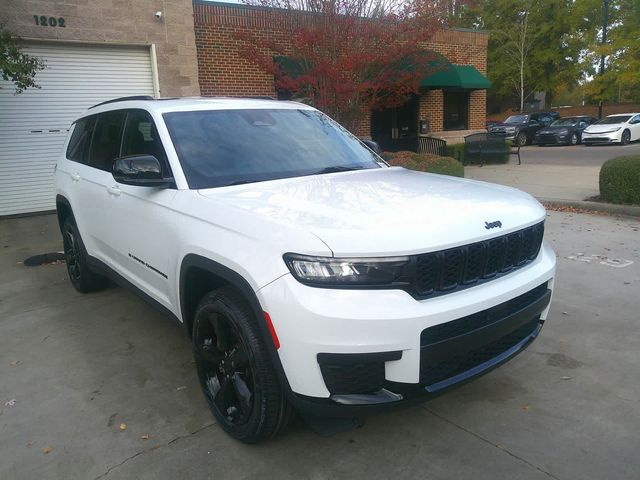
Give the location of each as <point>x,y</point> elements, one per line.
<point>552,139</point>
<point>316,326</point>
<point>602,137</point>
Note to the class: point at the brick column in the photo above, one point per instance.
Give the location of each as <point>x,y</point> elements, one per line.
<point>477,109</point>
<point>431,107</point>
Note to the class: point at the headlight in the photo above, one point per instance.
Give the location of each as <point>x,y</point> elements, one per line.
<point>330,271</point>
<point>510,129</point>
<point>610,131</point>
<point>564,131</point>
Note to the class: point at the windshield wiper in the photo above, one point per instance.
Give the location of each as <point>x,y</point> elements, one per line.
<point>335,169</point>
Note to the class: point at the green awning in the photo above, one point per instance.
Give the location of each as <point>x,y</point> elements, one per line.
<point>456,76</point>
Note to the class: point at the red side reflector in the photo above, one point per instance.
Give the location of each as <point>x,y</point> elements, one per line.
<point>272,330</point>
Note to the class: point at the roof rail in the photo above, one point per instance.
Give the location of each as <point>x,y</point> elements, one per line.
<point>124,99</point>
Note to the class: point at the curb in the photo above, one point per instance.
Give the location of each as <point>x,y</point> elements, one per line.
<point>626,210</point>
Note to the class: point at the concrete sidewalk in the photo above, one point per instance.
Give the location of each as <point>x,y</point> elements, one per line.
<point>565,185</point>
<point>546,182</point>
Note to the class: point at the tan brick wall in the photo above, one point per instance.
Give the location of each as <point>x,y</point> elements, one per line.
<point>223,71</point>
<point>119,22</point>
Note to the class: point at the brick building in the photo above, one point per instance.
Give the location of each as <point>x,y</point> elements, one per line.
<point>96,50</point>
<point>454,100</point>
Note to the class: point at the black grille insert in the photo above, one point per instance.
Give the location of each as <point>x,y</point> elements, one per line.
<point>460,267</point>
<point>453,335</point>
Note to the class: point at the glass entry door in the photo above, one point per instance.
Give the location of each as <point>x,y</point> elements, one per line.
<point>456,110</point>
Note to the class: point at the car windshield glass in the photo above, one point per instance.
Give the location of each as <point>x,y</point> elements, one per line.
<point>613,120</point>
<point>565,122</point>
<point>517,119</point>
<point>230,147</point>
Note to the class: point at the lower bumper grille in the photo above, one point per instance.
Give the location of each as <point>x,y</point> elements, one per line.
<point>451,349</point>
<point>354,373</point>
<point>597,140</point>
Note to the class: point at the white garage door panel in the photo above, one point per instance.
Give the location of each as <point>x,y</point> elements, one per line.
<point>34,124</point>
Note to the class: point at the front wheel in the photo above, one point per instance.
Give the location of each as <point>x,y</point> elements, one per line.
<point>574,139</point>
<point>521,139</point>
<point>625,138</point>
<point>235,372</point>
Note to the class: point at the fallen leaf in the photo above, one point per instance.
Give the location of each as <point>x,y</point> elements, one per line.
<point>566,378</point>
<point>15,363</point>
<point>565,313</point>
<point>145,437</point>
<point>123,426</point>
<point>10,403</point>
<point>525,407</point>
<point>48,449</point>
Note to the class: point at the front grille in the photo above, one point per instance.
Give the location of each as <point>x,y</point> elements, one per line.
<point>547,138</point>
<point>596,139</point>
<point>461,267</point>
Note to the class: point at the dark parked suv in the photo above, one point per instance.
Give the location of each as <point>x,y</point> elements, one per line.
<point>521,128</point>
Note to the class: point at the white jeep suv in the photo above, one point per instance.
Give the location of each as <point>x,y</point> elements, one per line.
<point>307,272</point>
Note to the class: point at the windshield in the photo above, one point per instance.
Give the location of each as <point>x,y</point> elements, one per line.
<point>565,122</point>
<point>613,120</point>
<point>229,147</point>
<point>517,119</point>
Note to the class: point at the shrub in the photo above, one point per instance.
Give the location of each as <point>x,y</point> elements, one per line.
<point>456,151</point>
<point>620,180</point>
<point>425,163</point>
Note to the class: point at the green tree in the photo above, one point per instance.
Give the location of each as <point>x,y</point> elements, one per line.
<point>532,45</point>
<point>15,65</point>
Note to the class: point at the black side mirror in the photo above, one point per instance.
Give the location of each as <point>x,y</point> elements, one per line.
<point>141,171</point>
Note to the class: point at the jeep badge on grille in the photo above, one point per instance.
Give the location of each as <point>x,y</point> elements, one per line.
<point>489,225</point>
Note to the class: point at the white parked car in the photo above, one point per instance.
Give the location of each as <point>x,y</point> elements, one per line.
<point>620,128</point>
<point>308,273</point>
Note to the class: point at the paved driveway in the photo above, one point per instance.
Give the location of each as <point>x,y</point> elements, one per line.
<point>578,155</point>
<point>79,366</point>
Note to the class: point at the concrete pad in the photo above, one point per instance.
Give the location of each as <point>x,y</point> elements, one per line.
<point>78,366</point>
<point>551,182</point>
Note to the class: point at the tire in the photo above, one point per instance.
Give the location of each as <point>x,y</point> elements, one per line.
<point>574,139</point>
<point>625,138</point>
<point>81,276</point>
<point>521,139</point>
<point>235,371</point>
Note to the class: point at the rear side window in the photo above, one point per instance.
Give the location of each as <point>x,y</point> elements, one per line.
<point>105,145</point>
<point>78,147</point>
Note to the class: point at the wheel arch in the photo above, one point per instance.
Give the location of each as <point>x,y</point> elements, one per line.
<point>63,210</point>
<point>199,275</point>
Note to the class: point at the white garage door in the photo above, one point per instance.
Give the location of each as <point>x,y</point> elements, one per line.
<point>34,124</point>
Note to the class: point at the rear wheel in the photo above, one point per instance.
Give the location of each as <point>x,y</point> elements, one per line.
<point>82,278</point>
<point>234,368</point>
<point>626,137</point>
<point>521,139</point>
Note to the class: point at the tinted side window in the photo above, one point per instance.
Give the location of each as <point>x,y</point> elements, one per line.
<point>105,145</point>
<point>80,141</point>
<point>141,137</point>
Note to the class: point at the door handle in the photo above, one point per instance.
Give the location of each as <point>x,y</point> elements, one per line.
<point>114,190</point>
<point>75,177</point>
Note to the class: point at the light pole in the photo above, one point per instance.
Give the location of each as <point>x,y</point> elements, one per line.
<point>605,24</point>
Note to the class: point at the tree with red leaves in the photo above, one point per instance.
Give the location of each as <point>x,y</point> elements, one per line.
<point>346,57</point>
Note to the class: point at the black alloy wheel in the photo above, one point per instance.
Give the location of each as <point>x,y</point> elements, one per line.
<point>82,277</point>
<point>626,137</point>
<point>234,369</point>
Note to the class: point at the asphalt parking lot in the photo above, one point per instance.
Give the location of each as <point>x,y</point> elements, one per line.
<point>102,386</point>
<point>592,156</point>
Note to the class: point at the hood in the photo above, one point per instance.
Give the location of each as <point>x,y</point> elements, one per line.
<point>554,129</point>
<point>386,211</point>
<point>604,128</point>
